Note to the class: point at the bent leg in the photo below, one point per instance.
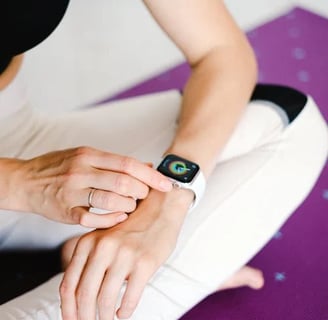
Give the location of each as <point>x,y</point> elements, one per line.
<point>249,197</point>
<point>259,181</point>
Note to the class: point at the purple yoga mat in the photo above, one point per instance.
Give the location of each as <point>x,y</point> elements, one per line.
<point>291,50</point>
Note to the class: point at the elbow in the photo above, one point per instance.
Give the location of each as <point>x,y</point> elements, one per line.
<point>246,68</point>
<point>236,60</point>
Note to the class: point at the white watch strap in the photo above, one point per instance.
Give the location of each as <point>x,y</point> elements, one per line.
<point>198,187</point>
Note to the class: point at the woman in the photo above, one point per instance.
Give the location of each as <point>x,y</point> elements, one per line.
<point>163,258</point>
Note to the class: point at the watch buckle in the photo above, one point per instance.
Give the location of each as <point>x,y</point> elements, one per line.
<point>176,185</point>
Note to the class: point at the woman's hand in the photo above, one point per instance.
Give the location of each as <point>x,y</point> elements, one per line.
<point>57,185</point>
<point>132,251</point>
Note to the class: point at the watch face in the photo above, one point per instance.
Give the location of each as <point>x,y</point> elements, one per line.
<point>178,168</point>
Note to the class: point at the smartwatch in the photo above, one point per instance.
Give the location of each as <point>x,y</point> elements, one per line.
<point>184,174</point>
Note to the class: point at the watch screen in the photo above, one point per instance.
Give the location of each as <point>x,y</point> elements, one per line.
<point>178,168</point>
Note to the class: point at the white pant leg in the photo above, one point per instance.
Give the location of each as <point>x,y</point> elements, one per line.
<point>249,197</point>
<point>257,184</point>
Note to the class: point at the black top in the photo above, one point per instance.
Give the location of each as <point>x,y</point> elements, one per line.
<point>26,23</point>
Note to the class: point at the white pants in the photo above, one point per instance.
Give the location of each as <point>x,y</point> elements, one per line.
<point>265,171</point>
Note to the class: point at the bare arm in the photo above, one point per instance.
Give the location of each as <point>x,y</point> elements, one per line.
<point>223,74</point>
<point>9,74</point>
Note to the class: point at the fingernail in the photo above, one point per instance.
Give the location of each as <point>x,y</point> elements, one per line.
<point>165,185</point>
<point>122,217</point>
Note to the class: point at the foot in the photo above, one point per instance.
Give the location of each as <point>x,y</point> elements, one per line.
<point>246,276</point>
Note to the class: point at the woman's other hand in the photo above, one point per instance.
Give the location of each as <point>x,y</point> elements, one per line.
<point>58,185</point>
<point>131,252</point>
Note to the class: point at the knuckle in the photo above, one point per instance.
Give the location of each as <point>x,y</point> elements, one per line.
<point>105,301</point>
<point>144,192</point>
<point>81,155</point>
<point>127,164</point>
<point>127,251</point>
<point>122,184</point>
<point>65,195</point>
<point>102,247</point>
<point>83,245</point>
<point>83,295</point>
<point>65,289</point>
<point>82,151</point>
<point>132,205</point>
<point>72,177</point>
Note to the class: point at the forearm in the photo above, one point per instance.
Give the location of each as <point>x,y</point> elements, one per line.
<point>11,197</point>
<point>9,74</point>
<point>214,99</point>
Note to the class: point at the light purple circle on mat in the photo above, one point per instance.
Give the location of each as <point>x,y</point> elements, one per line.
<point>325,194</point>
<point>299,53</point>
<point>294,32</point>
<point>278,235</point>
<point>303,76</point>
<point>280,276</point>
<point>291,15</point>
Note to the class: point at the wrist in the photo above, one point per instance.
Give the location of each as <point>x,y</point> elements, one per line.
<point>173,206</point>
<point>180,198</point>
<point>176,206</point>
<point>12,179</point>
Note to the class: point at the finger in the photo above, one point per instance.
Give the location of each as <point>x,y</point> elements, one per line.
<point>110,289</point>
<point>132,167</point>
<point>109,201</point>
<point>119,183</point>
<point>88,219</point>
<point>70,281</point>
<point>90,283</point>
<point>135,286</point>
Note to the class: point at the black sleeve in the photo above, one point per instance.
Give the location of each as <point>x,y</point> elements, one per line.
<point>26,23</point>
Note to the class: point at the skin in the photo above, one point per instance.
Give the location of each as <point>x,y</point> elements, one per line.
<point>223,77</point>
<point>57,185</point>
<point>9,74</point>
<point>98,263</point>
<point>222,64</point>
